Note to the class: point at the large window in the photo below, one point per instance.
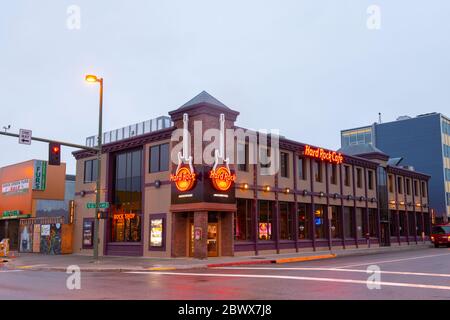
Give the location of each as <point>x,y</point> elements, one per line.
<point>301,167</point>
<point>359,178</point>
<point>90,170</point>
<point>391,183</point>
<point>243,222</point>
<point>303,222</point>
<point>286,221</point>
<point>336,221</point>
<point>333,175</point>
<point>370,179</point>
<point>408,187</point>
<point>159,158</point>
<point>127,202</point>
<point>424,189</point>
<point>394,225</point>
<point>359,223</point>
<point>318,171</point>
<point>265,223</point>
<point>349,223</point>
<point>403,226</point>
<point>400,185</point>
<point>284,164</point>
<point>347,176</point>
<point>373,222</point>
<point>319,221</point>
<point>419,223</point>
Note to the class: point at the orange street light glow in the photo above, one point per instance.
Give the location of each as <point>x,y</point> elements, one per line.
<point>91,78</point>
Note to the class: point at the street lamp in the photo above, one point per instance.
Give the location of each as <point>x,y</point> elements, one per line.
<point>93,79</point>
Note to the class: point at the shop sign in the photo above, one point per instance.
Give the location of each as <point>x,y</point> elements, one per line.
<point>156,232</point>
<point>40,175</point>
<point>13,214</point>
<point>16,187</point>
<point>184,179</point>
<point>45,230</point>
<point>324,155</point>
<point>124,216</point>
<point>222,178</point>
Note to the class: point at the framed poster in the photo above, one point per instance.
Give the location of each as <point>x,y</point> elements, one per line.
<point>88,233</point>
<point>157,232</point>
<point>45,230</point>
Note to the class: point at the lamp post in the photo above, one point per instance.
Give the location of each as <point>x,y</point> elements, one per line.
<point>93,79</point>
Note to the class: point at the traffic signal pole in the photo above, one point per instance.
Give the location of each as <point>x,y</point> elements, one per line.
<point>67,144</point>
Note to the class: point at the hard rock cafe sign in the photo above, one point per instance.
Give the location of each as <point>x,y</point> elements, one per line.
<point>184,179</point>
<point>222,178</point>
<point>324,155</point>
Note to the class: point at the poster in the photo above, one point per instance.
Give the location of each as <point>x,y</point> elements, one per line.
<point>88,229</point>
<point>16,187</point>
<point>156,232</point>
<point>265,231</point>
<point>26,238</point>
<point>45,230</point>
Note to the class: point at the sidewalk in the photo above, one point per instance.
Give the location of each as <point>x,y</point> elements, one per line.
<point>38,262</point>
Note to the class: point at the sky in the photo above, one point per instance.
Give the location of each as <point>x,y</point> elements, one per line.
<point>309,68</point>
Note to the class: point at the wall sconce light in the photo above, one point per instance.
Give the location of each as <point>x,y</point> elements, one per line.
<point>349,197</point>
<point>267,188</point>
<point>321,194</point>
<point>305,192</point>
<point>157,184</point>
<point>335,196</point>
<point>361,198</point>
<point>82,193</point>
<point>245,186</point>
<point>402,203</point>
<point>287,190</point>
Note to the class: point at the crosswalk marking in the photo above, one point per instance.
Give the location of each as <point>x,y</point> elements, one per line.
<point>318,279</point>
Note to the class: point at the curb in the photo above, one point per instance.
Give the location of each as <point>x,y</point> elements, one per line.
<point>270,261</point>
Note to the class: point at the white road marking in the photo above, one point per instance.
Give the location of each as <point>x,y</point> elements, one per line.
<point>260,276</point>
<point>340,270</point>
<point>5,271</point>
<point>391,261</point>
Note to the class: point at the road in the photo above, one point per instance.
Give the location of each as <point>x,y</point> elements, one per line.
<point>418,274</point>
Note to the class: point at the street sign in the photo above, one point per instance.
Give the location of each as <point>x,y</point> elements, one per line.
<point>25,136</point>
<point>101,205</point>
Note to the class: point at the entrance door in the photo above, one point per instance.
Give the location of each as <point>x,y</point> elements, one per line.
<point>212,241</point>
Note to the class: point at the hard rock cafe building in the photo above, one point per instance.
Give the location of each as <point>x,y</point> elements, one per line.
<point>317,200</point>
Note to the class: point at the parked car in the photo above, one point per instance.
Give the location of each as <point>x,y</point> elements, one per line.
<point>440,235</point>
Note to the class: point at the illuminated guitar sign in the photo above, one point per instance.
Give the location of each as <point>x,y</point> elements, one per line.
<point>222,178</point>
<point>324,155</point>
<point>184,179</point>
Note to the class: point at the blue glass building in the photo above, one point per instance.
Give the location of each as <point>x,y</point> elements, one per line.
<point>423,142</point>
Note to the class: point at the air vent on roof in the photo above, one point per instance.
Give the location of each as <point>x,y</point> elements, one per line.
<point>403,118</point>
<point>411,168</point>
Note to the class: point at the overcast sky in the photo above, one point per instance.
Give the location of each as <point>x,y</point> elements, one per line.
<point>309,68</point>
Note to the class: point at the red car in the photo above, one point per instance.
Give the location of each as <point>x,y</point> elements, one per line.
<point>440,234</point>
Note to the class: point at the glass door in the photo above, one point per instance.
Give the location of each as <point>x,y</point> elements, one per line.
<point>212,241</point>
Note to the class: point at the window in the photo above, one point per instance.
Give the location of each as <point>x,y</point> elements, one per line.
<point>408,187</point>
<point>447,174</point>
<point>424,189</point>
<point>125,220</point>
<point>391,183</point>
<point>159,158</point>
<point>416,188</point>
<point>243,229</point>
<point>301,168</point>
<point>411,225</point>
<point>265,223</point>
<point>446,151</point>
<point>399,185</point>
<point>318,171</point>
<point>90,170</point>
<point>373,222</point>
<point>370,179</point>
<point>349,223</point>
<point>286,221</point>
<point>419,223</point>
<point>264,157</point>
<point>403,226</point>
<point>448,198</point>
<point>303,222</point>
<point>333,177</point>
<point>336,230</point>
<point>394,226</point>
<point>242,154</point>
<point>359,223</point>
<point>347,176</point>
<point>359,178</point>
<point>319,222</point>
<point>284,164</point>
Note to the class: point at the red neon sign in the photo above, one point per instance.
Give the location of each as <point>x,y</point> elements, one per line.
<point>222,178</point>
<point>324,155</point>
<point>184,179</point>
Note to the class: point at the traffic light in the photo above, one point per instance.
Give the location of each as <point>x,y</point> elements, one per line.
<point>54,154</point>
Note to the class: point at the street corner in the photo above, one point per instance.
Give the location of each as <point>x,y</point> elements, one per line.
<point>308,258</point>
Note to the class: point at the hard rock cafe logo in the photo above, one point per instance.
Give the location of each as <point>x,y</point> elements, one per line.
<point>324,155</point>
<point>222,178</point>
<point>184,179</point>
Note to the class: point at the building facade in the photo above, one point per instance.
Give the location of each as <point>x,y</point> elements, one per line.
<point>167,199</point>
<point>422,142</point>
<point>32,189</point>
